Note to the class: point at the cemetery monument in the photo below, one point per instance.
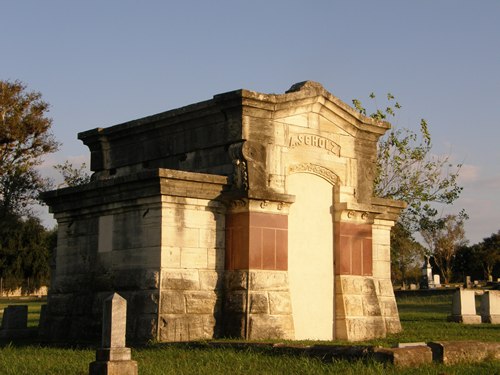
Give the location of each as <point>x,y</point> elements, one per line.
<point>247,215</point>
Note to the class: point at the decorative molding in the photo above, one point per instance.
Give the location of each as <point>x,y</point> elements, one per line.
<point>240,171</point>
<point>240,176</point>
<point>318,170</point>
<point>238,203</point>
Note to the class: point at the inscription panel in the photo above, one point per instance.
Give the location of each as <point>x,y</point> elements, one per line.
<point>312,140</point>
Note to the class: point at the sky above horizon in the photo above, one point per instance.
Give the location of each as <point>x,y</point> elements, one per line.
<point>100,63</point>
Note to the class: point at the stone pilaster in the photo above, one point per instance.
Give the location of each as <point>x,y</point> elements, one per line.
<point>257,297</point>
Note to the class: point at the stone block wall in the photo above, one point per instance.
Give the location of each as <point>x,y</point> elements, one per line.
<point>192,269</point>
<point>257,305</point>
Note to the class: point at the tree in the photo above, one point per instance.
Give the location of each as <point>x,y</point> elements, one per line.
<point>408,171</point>
<point>489,253</point>
<point>25,248</point>
<point>444,240</point>
<point>24,138</point>
<point>468,262</point>
<point>73,176</point>
<point>405,255</point>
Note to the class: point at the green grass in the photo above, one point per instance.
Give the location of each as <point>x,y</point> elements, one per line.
<point>182,359</point>
<point>422,318</point>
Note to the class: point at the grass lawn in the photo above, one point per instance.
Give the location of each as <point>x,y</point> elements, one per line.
<point>423,319</point>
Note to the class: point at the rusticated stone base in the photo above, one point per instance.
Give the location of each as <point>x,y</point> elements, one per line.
<point>365,308</point>
<point>257,305</point>
<point>190,305</point>
<point>76,317</point>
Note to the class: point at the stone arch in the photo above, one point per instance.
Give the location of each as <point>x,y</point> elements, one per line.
<point>315,169</point>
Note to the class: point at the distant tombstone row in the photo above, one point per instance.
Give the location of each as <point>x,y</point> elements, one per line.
<point>464,307</point>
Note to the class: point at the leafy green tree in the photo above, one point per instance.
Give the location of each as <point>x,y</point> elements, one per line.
<point>408,171</point>
<point>25,248</point>
<point>406,254</point>
<point>24,138</point>
<point>444,240</point>
<point>467,262</point>
<point>73,176</point>
<point>489,253</point>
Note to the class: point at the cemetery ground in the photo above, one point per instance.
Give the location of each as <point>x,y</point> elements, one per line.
<point>423,318</point>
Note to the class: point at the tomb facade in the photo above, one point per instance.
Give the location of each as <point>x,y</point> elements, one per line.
<point>248,215</point>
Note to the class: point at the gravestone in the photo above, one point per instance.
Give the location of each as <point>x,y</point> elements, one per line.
<point>464,307</point>
<point>437,281</point>
<point>15,322</point>
<point>113,358</point>
<point>15,317</point>
<point>427,281</point>
<point>490,307</point>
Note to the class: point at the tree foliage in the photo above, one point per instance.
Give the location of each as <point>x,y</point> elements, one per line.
<point>489,251</point>
<point>481,259</point>
<point>73,176</point>
<point>25,248</point>
<point>444,240</point>
<point>408,171</point>
<point>24,138</point>
<point>406,254</point>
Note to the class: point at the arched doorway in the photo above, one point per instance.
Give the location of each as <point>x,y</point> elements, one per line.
<point>310,256</point>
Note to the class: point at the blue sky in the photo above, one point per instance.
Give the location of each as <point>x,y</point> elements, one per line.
<point>99,63</point>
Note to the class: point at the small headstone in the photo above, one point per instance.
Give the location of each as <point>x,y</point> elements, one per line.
<point>476,283</point>
<point>15,323</point>
<point>113,358</point>
<point>413,286</point>
<point>427,281</point>
<point>437,281</point>
<point>464,307</point>
<point>490,278</point>
<point>15,317</point>
<point>490,307</point>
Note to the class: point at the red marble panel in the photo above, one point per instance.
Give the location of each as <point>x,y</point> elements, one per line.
<point>255,248</point>
<point>256,241</point>
<point>356,255</point>
<point>262,220</point>
<point>344,255</point>
<point>237,241</point>
<point>355,230</point>
<point>367,257</point>
<point>268,249</point>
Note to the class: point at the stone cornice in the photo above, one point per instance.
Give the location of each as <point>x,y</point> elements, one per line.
<point>151,183</point>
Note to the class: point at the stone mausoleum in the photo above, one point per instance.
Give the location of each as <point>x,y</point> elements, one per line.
<point>248,215</point>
